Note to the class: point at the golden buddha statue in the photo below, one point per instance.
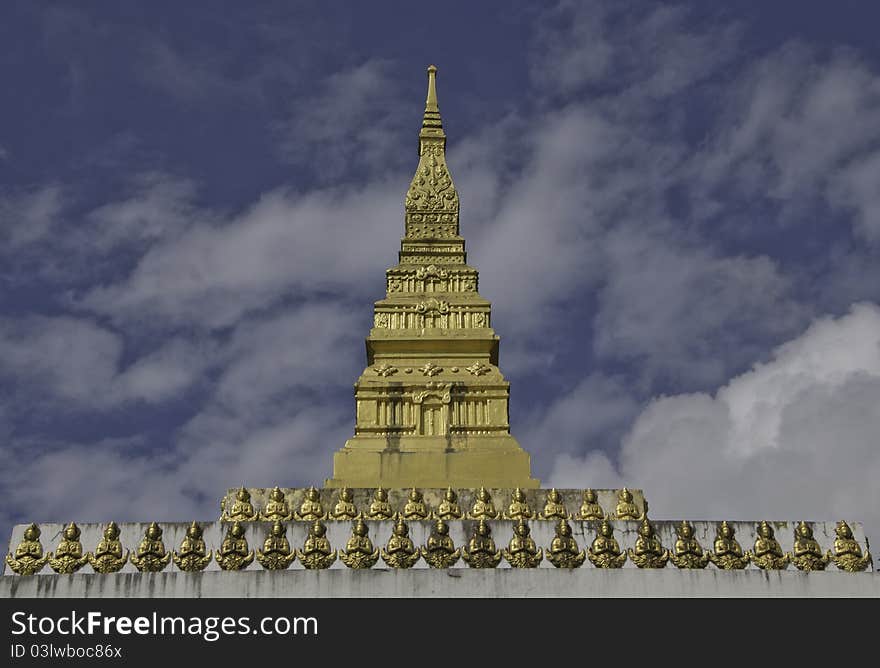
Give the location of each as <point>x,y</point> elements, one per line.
<point>108,557</point>
<point>648,552</point>
<point>604,551</point>
<point>480,551</point>
<point>29,557</point>
<point>806,553</point>
<point>483,508</point>
<point>519,507</point>
<point>590,508</point>
<point>68,556</point>
<point>687,552</point>
<point>242,508</point>
<point>440,550</point>
<point>522,552</point>
<point>728,555</point>
<point>276,554</point>
<point>847,554</point>
<point>766,553</point>
<point>192,555</point>
<point>554,508</point>
<point>626,508</point>
<point>151,556</point>
<point>311,509</point>
<point>359,552</point>
<point>316,553</point>
<point>448,508</point>
<point>415,508</point>
<point>234,553</point>
<point>277,509</point>
<point>563,552</point>
<point>400,552</point>
<point>344,508</point>
<point>380,509</point>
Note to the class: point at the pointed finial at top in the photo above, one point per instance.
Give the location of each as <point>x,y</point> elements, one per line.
<point>432,126</point>
<point>431,102</point>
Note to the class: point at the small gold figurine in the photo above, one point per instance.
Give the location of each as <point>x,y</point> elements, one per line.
<point>311,509</point>
<point>728,555</point>
<point>242,508</point>
<point>648,553</point>
<point>359,552</point>
<point>847,554</point>
<point>29,557</point>
<point>277,510</point>
<point>151,556</point>
<point>380,509</point>
<point>687,552</point>
<point>605,552</point>
<point>554,508</point>
<point>626,509</point>
<point>400,552</point>
<point>440,550</point>
<point>344,508</point>
<point>480,551</point>
<point>68,556</point>
<point>192,555</point>
<point>483,508</point>
<point>519,508</point>
<point>276,554</point>
<point>108,557</point>
<point>563,552</point>
<point>234,553</point>
<point>806,554</point>
<point>448,509</point>
<point>415,508</point>
<point>766,553</point>
<point>316,553</point>
<point>522,552</point>
<point>590,508</point>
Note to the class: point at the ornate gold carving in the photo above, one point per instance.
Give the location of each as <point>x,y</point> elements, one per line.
<point>192,555</point>
<point>381,320</point>
<point>311,509</point>
<point>277,510</point>
<point>276,554</point>
<point>648,552</point>
<point>522,552</point>
<point>68,556</point>
<point>380,509</point>
<point>359,551</point>
<point>563,552</point>
<point>385,370</point>
<point>480,551</point>
<point>433,305</point>
<point>151,556</point>
<point>448,508</point>
<point>415,508</point>
<point>440,550</point>
<point>847,554</point>
<point>431,271</point>
<point>344,508</point>
<point>316,553</point>
<point>430,369</point>
<point>478,369</point>
<point>806,554</point>
<point>483,508</point>
<point>554,508</point>
<point>29,557</point>
<point>604,551</point>
<point>242,508</point>
<point>108,557</point>
<point>687,552</point>
<point>590,508</point>
<point>400,552</point>
<point>519,507</point>
<point>626,509</point>
<point>234,553</point>
<point>728,555</point>
<point>766,553</point>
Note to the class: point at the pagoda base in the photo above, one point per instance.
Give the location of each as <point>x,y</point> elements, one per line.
<point>425,462</point>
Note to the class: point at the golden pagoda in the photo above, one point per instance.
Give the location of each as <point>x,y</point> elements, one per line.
<point>432,404</point>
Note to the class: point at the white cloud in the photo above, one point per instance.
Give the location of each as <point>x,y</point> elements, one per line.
<point>27,217</point>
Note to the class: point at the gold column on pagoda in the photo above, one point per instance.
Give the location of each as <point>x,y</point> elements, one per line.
<point>432,404</point>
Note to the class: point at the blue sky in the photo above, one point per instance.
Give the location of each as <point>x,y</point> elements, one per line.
<point>675,209</point>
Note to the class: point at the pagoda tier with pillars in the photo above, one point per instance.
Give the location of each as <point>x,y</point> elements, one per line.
<point>432,404</point>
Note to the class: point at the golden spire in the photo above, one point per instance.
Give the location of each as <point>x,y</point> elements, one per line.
<point>432,125</point>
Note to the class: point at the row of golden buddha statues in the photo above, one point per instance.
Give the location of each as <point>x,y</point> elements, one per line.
<point>439,551</point>
<point>483,507</point>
